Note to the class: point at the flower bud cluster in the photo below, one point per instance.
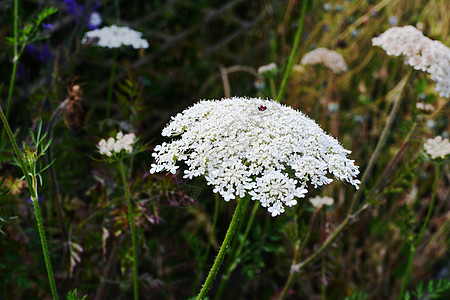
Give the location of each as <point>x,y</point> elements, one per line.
<point>115,146</point>
<point>115,37</point>
<point>331,59</point>
<point>421,52</point>
<point>253,146</point>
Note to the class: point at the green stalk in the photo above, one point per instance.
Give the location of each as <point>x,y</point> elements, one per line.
<point>237,216</point>
<point>48,263</point>
<point>235,257</point>
<point>15,62</point>
<point>31,186</point>
<point>293,52</point>
<point>132,229</point>
<point>419,237</point>
<point>111,83</point>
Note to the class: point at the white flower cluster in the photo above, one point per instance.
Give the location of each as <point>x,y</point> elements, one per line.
<point>115,146</point>
<point>253,146</point>
<point>437,147</point>
<point>424,106</point>
<point>319,201</point>
<point>331,59</point>
<point>267,68</point>
<point>115,37</point>
<point>421,52</point>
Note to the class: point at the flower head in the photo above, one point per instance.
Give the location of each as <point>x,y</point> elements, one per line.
<point>272,67</point>
<point>115,37</point>
<point>331,59</point>
<point>421,53</point>
<point>426,107</point>
<point>114,146</point>
<point>253,146</point>
<point>319,201</point>
<point>437,147</point>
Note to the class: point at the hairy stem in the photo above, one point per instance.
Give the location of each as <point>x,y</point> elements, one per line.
<point>237,216</point>
<point>293,52</point>
<point>15,62</point>
<point>48,263</point>
<point>235,257</point>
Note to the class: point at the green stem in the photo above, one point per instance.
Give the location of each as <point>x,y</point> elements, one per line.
<point>34,197</point>
<point>15,62</point>
<point>48,263</point>
<point>419,237</point>
<point>235,257</point>
<point>111,83</point>
<point>293,52</point>
<point>132,229</point>
<point>238,214</point>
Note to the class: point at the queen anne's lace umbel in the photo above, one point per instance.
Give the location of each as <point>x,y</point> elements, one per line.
<point>115,37</point>
<point>437,147</point>
<point>114,146</point>
<point>331,59</point>
<point>421,52</point>
<point>253,146</point>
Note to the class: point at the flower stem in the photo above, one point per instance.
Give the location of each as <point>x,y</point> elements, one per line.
<point>111,83</point>
<point>235,257</point>
<point>419,237</point>
<point>34,197</point>
<point>48,263</point>
<point>293,52</point>
<point>238,214</point>
<point>132,229</point>
<point>15,62</point>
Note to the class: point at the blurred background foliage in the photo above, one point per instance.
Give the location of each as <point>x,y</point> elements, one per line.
<point>204,50</point>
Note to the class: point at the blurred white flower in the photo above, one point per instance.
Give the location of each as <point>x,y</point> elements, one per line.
<point>267,68</point>
<point>115,37</point>
<point>437,147</point>
<point>331,59</point>
<point>319,201</point>
<point>424,106</point>
<point>116,146</point>
<point>421,53</point>
<point>253,146</point>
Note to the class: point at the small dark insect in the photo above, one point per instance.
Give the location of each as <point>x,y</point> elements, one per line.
<point>262,108</point>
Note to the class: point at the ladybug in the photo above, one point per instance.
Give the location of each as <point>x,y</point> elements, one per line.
<point>262,108</point>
